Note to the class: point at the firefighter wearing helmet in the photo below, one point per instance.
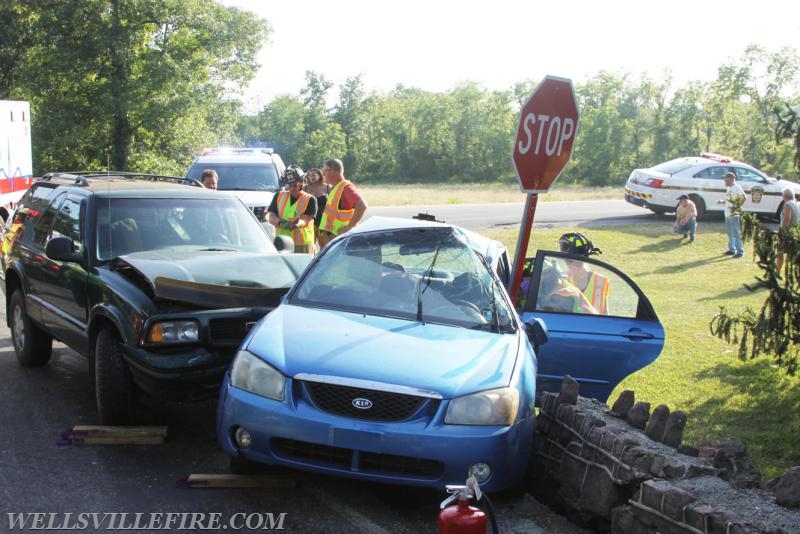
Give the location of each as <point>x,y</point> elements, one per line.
<point>593,285</point>
<point>292,211</point>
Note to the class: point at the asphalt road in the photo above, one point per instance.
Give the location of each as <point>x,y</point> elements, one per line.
<point>480,217</point>
<point>39,475</point>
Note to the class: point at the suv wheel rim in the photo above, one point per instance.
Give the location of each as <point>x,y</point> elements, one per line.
<point>18,326</point>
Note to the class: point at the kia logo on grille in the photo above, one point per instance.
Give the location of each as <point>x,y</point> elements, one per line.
<point>362,404</point>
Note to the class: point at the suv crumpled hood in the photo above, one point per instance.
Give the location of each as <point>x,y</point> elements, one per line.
<point>214,278</point>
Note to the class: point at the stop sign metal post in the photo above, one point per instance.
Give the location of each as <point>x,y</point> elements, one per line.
<point>548,125</point>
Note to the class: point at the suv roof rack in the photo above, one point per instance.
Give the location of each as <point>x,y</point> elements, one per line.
<point>81,177</point>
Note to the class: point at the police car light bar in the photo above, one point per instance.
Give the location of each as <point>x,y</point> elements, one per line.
<point>716,157</point>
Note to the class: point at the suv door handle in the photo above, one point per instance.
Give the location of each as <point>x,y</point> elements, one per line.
<point>637,333</point>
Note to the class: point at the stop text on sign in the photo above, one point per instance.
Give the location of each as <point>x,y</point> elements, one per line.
<point>558,131</point>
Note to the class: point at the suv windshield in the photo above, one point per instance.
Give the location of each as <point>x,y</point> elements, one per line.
<point>240,176</point>
<point>126,225</point>
<point>421,274</point>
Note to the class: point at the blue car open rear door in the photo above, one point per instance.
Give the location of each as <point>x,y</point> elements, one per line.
<point>601,326</point>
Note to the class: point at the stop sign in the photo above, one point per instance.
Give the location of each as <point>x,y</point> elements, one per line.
<point>548,124</point>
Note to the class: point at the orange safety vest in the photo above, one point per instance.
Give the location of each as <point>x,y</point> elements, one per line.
<point>334,218</point>
<point>596,291</point>
<point>289,212</point>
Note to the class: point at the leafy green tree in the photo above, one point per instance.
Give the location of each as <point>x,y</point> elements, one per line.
<point>789,128</point>
<point>351,115</point>
<point>774,330</point>
<point>281,125</point>
<point>602,134</point>
<point>135,83</point>
<point>18,20</point>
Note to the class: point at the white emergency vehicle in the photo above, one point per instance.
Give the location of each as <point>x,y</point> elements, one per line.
<point>16,165</point>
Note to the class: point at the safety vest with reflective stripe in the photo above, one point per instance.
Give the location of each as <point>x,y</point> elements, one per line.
<point>596,291</point>
<point>577,300</point>
<point>289,212</point>
<point>334,218</point>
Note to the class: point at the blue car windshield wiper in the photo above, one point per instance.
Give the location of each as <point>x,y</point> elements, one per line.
<point>428,275</point>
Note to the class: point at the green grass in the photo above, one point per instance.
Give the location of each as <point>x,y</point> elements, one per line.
<point>687,283</point>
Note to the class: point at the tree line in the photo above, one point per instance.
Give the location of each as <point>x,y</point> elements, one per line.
<point>142,85</point>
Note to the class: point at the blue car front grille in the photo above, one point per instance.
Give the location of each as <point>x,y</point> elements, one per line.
<point>351,460</point>
<point>361,403</point>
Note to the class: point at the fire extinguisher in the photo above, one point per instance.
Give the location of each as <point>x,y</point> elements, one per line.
<point>461,517</point>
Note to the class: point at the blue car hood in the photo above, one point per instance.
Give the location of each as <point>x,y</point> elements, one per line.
<point>447,360</point>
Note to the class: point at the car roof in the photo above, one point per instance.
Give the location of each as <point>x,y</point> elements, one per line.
<point>129,184</point>
<point>235,158</point>
<point>700,160</point>
<point>238,155</point>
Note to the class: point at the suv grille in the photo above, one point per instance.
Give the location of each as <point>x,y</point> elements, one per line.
<point>229,328</point>
<point>375,405</point>
<point>362,462</point>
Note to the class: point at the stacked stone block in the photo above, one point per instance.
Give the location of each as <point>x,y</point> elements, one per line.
<point>618,470</point>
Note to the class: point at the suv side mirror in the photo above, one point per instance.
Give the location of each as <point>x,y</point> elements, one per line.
<point>62,249</point>
<point>537,332</point>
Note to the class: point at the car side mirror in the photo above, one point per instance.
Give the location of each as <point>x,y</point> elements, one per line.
<point>62,249</point>
<point>284,243</point>
<point>536,330</point>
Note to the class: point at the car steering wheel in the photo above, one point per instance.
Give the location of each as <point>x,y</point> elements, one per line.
<point>470,309</point>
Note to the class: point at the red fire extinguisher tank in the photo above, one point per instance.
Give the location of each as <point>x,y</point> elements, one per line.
<point>461,518</point>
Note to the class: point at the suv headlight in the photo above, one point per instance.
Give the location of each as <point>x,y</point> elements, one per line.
<point>491,407</point>
<point>164,332</point>
<point>253,374</point>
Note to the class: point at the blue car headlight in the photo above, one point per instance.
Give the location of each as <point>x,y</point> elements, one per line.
<point>253,374</point>
<point>491,407</point>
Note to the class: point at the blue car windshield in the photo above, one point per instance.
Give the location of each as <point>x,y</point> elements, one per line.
<point>422,274</point>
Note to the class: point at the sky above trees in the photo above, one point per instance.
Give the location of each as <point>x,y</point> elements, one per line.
<point>436,45</point>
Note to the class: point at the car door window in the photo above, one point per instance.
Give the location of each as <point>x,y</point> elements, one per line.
<point>44,226</point>
<point>712,173</point>
<point>576,285</point>
<point>749,176</point>
<point>29,211</point>
<point>68,222</point>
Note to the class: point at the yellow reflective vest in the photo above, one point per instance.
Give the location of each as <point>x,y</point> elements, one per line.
<point>596,291</point>
<point>292,212</point>
<point>334,218</point>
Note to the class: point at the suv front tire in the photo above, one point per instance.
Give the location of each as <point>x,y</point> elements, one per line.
<point>113,385</point>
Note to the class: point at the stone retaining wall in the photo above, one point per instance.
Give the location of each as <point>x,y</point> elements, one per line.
<point>625,471</point>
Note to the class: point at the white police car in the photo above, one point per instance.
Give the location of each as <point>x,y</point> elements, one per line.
<point>658,188</point>
<point>253,174</point>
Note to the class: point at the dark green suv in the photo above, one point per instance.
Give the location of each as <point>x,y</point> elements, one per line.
<point>154,281</point>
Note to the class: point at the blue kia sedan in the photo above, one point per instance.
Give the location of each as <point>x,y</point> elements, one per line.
<point>397,357</point>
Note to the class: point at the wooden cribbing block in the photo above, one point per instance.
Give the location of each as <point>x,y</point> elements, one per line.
<point>236,481</point>
<point>114,435</point>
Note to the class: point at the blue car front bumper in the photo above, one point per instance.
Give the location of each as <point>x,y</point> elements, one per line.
<point>420,451</point>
